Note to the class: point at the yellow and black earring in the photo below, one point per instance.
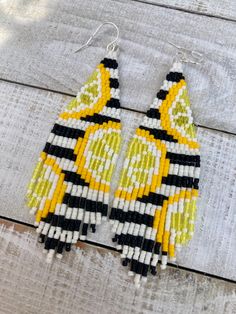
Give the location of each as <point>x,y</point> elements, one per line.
<point>154,208</point>
<point>69,189</point>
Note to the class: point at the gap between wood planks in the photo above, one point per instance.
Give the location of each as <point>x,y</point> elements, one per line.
<point>24,227</point>
<point>171,7</point>
<point>124,108</point>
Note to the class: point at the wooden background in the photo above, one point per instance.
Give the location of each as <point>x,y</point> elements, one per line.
<point>39,74</point>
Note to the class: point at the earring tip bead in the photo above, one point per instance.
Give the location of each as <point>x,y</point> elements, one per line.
<point>49,259</point>
<point>59,256</point>
<point>137,279</point>
<point>137,285</point>
<point>99,221</point>
<point>125,262</point>
<point>178,247</point>
<point>33,211</point>
<point>144,279</point>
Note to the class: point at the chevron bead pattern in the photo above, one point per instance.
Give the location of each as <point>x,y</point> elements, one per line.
<point>155,203</point>
<point>69,189</point>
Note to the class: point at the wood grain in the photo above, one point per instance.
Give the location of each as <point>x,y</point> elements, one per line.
<point>94,279</point>
<point>222,9</point>
<point>26,117</point>
<point>38,40</point>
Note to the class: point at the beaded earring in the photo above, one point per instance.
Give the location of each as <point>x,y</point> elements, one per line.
<point>69,189</point>
<point>154,207</point>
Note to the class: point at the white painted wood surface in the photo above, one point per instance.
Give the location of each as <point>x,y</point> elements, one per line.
<point>26,117</point>
<point>223,9</point>
<point>38,40</point>
<point>93,281</point>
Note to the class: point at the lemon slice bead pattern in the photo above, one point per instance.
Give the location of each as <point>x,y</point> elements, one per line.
<point>154,208</point>
<point>69,189</point>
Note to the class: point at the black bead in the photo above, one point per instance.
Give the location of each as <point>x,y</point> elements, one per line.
<point>60,247</point>
<point>162,94</point>
<point>153,270</point>
<point>153,113</point>
<point>85,229</point>
<point>113,103</point>
<point>125,262</point>
<point>68,247</point>
<point>110,63</point>
<point>114,83</point>
<point>93,228</point>
<point>41,238</point>
<point>175,77</point>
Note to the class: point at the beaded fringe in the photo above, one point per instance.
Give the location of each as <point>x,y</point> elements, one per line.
<point>69,189</point>
<point>154,208</point>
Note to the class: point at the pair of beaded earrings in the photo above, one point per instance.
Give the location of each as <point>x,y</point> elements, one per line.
<point>154,208</point>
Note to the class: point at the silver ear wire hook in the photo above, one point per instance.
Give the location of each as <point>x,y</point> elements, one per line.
<point>187,55</point>
<point>111,46</point>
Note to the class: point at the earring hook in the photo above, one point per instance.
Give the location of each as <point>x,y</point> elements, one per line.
<point>183,55</point>
<point>111,46</point>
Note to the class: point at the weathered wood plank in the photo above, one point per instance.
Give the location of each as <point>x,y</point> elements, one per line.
<point>226,9</point>
<point>26,116</point>
<point>38,40</point>
<point>94,279</point>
